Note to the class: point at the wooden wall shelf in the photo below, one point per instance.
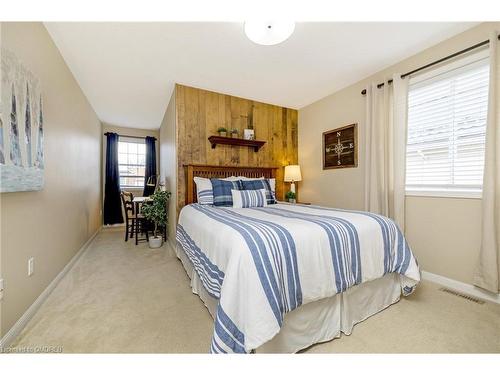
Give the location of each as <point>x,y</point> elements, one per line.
<point>217,140</point>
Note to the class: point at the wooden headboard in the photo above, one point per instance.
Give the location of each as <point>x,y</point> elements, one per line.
<point>219,171</point>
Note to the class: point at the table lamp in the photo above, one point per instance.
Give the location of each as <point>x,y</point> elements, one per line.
<point>155,180</point>
<point>292,174</point>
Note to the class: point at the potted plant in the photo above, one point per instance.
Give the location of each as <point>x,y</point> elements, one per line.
<point>290,196</point>
<point>222,131</point>
<point>155,210</point>
<point>234,133</point>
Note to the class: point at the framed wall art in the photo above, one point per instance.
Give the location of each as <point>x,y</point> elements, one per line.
<point>340,147</point>
<point>21,127</point>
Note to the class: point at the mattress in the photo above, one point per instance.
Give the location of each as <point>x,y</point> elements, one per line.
<point>262,264</point>
<point>318,321</point>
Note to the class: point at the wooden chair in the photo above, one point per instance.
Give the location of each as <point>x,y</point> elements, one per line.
<point>141,225</point>
<point>128,207</point>
<point>135,223</point>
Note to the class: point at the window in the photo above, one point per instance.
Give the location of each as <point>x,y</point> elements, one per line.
<point>132,162</point>
<point>446,130</point>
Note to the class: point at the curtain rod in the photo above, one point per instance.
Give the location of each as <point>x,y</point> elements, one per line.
<point>129,136</point>
<point>483,43</point>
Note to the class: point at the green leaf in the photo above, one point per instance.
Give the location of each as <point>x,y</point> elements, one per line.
<point>155,210</point>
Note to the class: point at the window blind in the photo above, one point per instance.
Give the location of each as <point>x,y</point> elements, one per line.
<point>446,130</point>
<point>131,162</point>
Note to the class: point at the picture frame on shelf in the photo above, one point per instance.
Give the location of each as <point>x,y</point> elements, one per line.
<point>249,134</point>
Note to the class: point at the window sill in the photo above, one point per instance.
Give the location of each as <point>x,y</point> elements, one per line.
<point>467,194</point>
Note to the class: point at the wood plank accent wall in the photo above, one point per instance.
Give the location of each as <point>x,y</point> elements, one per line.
<point>200,113</point>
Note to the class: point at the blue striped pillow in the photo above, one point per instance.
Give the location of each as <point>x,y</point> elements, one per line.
<point>249,198</point>
<point>222,191</point>
<point>206,197</point>
<point>258,185</point>
<point>204,191</point>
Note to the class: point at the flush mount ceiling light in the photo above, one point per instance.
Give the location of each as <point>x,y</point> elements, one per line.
<point>269,33</point>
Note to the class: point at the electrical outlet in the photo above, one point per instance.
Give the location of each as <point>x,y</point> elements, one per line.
<point>1,289</point>
<point>31,266</point>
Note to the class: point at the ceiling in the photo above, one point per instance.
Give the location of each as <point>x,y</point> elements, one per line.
<point>128,70</point>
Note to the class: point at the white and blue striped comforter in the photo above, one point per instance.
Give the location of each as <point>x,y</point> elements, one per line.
<point>261,263</point>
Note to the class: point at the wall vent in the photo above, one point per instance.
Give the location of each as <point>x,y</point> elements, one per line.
<point>461,295</point>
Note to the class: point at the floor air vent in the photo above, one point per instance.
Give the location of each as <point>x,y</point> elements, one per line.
<point>461,295</point>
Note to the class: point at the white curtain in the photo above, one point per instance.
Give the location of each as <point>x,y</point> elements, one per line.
<point>385,159</point>
<point>487,272</point>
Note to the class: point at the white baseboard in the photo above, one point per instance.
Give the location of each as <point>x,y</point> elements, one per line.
<point>16,329</point>
<point>114,226</point>
<point>461,287</point>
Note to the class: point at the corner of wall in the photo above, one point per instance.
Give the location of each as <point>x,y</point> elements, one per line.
<point>168,158</point>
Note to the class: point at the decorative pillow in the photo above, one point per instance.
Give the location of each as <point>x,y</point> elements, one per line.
<point>222,191</point>
<point>249,198</point>
<point>272,181</point>
<point>204,191</point>
<point>258,185</point>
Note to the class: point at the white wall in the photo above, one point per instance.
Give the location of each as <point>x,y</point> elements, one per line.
<point>168,162</point>
<point>50,225</point>
<point>444,233</point>
<point>1,296</point>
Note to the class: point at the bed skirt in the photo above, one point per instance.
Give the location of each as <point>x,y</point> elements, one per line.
<point>317,321</point>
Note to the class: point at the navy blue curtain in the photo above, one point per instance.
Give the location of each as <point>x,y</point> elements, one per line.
<point>150,173</point>
<point>112,199</point>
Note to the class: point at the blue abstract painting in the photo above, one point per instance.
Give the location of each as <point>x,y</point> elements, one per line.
<point>21,127</point>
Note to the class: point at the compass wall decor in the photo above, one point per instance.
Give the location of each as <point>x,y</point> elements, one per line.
<point>340,147</point>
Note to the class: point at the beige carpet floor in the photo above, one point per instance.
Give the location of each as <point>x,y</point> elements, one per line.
<point>125,298</point>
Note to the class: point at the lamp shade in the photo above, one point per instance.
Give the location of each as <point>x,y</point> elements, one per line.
<point>292,173</point>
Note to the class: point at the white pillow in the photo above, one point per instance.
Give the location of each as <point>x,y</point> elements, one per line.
<point>231,178</point>
<point>249,198</point>
<point>204,191</point>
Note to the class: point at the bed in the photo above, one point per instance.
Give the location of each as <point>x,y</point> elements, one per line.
<point>283,277</point>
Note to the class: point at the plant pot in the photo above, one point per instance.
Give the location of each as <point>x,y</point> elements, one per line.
<point>293,201</point>
<point>222,134</point>
<point>234,135</point>
<point>155,242</point>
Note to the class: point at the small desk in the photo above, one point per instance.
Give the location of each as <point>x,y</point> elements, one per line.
<point>138,201</point>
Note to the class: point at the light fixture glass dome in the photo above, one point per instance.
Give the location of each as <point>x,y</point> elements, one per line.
<point>269,33</point>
